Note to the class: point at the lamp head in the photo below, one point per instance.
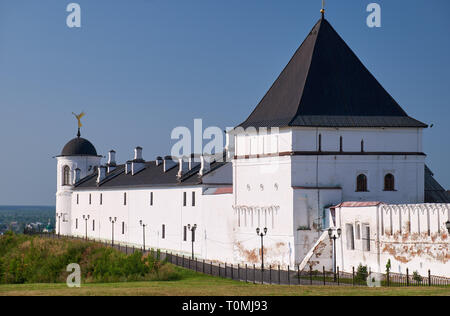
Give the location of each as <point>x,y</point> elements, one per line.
<point>140,222</point>
<point>265,230</point>
<point>189,226</point>
<point>330,232</point>
<point>448,226</point>
<point>339,232</point>
<point>258,230</point>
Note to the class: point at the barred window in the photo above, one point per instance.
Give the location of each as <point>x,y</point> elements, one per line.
<point>361,183</point>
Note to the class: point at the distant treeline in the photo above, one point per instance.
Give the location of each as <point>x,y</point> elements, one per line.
<point>15,218</point>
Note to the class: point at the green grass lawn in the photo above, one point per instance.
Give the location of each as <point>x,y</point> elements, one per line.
<point>195,284</point>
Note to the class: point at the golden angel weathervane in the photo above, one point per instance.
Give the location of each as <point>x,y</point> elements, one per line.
<point>79,116</point>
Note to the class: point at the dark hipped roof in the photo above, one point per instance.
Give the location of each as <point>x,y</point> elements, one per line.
<point>326,85</point>
<point>151,176</point>
<point>434,192</point>
<point>79,147</point>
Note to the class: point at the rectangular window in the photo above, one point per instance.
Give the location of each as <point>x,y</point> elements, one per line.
<point>90,199</point>
<point>358,231</point>
<point>93,225</point>
<point>366,238</point>
<point>151,198</point>
<point>184,199</point>
<point>184,233</point>
<point>101,199</point>
<point>123,228</point>
<point>193,198</point>
<point>350,237</point>
<point>163,235</point>
<point>125,198</point>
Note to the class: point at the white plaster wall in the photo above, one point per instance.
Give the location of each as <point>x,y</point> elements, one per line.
<point>263,197</point>
<point>342,171</point>
<point>375,139</point>
<point>86,164</point>
<point>404,246</point>
<point>212,214</point>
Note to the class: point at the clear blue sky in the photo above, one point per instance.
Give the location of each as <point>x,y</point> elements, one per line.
<point>140,68</point>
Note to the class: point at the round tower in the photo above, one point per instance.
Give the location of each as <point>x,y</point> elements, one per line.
<point>77,160</point>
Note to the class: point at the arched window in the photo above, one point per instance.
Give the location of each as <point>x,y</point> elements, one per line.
<point>66,175</point>
<point>389,182</point>
<point>361,183</point>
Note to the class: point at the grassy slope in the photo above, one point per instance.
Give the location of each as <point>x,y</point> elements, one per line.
<point>202,285</point>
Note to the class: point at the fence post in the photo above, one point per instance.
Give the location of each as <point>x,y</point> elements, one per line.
<point>353,276</point>
<point>310,275</point>
<point>279,275</point>
<point>219,270</point>
<point>338,275</point>
<point>298,274</point>
<point>407,277</point>
<point>270,274</point>
<point>289,276</point>
<point>232,272</point>
<point>254,274</point>
<point>429,277</point>
<point>246,270</point>
<point>203,268</point>
<point>239,272</point>
<point>225,269</point>
<point>324,277</point>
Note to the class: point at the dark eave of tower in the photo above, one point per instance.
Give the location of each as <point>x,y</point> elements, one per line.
<point>326,85</point>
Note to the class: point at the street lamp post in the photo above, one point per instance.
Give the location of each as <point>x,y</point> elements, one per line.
<point>86,218</point>
<point>448,226</point>
<point>262,234</point>
<point>192,229</point>
<point>58,215</point>
<point>113,221</point>
<point>143,232</point>
<point>333,236</point>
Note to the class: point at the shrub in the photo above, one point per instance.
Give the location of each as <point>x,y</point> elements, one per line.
<point>417,277</point>
<point>26,259</point>
<point>362,273</point>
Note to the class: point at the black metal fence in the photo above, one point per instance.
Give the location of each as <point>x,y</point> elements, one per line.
<point>276,274</point>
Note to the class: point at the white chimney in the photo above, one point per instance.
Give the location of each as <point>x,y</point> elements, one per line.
<point>138,163</point>
<point>183,167</point>
<point>76,175</point>
<point>169,163</point>
<point>138,153</point>
<point>111,161</point>
<point>205,165</point>
<point>101,174</point>
<point>159,160</point>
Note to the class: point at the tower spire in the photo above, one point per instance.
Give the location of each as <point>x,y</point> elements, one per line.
<point>323,9</point>
<point>78,117</point>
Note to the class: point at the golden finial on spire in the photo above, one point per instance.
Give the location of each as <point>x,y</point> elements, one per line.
<point>323,9</point>
<point>79,116</point>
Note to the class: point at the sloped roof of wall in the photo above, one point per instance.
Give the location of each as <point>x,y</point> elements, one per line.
<point>151,176</point>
